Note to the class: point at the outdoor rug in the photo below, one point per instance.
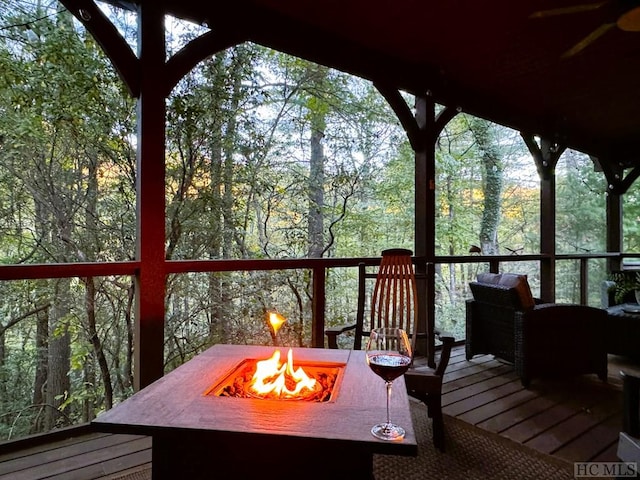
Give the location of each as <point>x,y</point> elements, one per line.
<point>470,453</point>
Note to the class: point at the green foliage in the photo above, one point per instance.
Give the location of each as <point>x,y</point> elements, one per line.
<point>631,218</point>
<point>626,283</point>
<point>580,199</point>
<point>238,184</point>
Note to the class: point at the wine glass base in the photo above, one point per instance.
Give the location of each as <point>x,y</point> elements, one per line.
<point>388,431</point>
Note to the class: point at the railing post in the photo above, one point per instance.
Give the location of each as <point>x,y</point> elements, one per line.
<point>494,265</point>
<point>318,304</point>
<point>584,281</point>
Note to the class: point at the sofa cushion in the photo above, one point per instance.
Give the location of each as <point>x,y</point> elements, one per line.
<point>511,280</point>
<point>520,283</point>
<point>489,278</point>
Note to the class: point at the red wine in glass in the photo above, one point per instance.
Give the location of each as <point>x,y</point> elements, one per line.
<point>388,354</point>
<point>389,366</point>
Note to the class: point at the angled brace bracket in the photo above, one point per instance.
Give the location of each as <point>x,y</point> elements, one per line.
<point>545,155</point>
<point>114,45</point>
<point>127,63</point>
<point>415,132</point>
<point>617,183</point>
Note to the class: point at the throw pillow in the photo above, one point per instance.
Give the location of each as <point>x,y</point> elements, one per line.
<point>489,278</point>
<point>520,283</point>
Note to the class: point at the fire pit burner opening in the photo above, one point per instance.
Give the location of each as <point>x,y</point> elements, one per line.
<point>323,386</point>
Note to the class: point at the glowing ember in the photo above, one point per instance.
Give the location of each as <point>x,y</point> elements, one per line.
<point>280,380</point>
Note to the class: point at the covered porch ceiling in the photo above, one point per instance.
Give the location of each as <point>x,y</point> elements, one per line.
<point>498,60</point>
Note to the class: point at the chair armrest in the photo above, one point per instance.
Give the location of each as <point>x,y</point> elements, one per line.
<point>447,343</point>
<point>333,332</point>
<point>543,328</point>
<point>560,339</point>
<point>444,337</point>
<point>551,330</point>
<point>560,316</point>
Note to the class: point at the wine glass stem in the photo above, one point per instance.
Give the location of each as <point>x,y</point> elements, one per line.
<point>389,384</point>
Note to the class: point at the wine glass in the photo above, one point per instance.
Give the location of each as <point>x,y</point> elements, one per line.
<point>388,354</point>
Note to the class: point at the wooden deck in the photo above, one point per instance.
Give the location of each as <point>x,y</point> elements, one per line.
<point>577,420</point>
<point>86,456</point>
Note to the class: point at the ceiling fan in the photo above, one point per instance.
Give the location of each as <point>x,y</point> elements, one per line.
<point>625,15</point>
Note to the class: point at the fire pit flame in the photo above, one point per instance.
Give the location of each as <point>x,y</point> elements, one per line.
<point>281,380</point>
<point>268,379</point>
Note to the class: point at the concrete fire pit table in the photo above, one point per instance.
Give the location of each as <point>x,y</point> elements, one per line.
<point>197,434</point>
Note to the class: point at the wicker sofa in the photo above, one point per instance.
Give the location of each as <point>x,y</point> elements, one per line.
<point>540,339</point>
<point>622,336</point>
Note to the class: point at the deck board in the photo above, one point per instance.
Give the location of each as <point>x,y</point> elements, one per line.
<point>591,445</point>
<point>576,420</point>
<point>505,419</point>
<point>88,457</point>
<point>484,415</point>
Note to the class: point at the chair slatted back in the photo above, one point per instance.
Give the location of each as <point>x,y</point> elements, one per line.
<point>394,297</point>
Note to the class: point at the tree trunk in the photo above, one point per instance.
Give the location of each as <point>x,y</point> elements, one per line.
<point>316,190</point>
<point>42,353</point>
<point>216,228</point>
<point>90,288</point>
<point>222,182</point>
<point>131,295</point>
<point>316,168</point>
<point>59,359</point>
<point>90,303</point>
<point>493,176</point>
<point>3,377</point>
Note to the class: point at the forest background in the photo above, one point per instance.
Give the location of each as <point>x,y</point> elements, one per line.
<point>268,156</point>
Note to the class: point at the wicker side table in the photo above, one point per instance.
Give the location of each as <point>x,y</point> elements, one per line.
<point>622,334</point>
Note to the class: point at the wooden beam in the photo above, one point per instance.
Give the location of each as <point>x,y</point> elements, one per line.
<point>403,112</point>
<point>150,189</point>
<point>429,125</point>
<point>107,36</point>
<point>546,156</point>
<point>66,270</point>
<point>614,230</point>
<point>183,61</point>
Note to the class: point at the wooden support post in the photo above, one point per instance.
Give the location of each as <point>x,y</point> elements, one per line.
<point>423,129</point>
<point>150,190</point>
<point>614,230</point>
<point>546,157</point>
<point>429,127</point>
<point>548,238</point>
<point>425,223</point>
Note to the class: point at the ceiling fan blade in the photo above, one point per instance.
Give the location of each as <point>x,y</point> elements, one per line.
<point>588,40</point>
<point>630,21</point>
<point>566,10</point>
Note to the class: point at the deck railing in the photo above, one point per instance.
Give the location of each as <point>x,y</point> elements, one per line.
<point>588,280</point>
<point>583,273</point>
